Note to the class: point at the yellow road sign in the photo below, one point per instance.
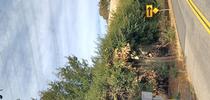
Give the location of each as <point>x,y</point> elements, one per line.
<point>155,10</point>
<point>149,12</point>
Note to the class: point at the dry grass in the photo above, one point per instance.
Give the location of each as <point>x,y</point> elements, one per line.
<point>179,87</point>
<point>113,8</point>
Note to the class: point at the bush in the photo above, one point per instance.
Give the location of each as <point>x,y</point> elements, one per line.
<point>108,78</point>
<point>74,82</point>
<point>130,21</point>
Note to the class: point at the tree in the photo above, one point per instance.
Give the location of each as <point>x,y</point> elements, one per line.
<point>104,8</point>
<point>75,80</point>
<point>110,77</point>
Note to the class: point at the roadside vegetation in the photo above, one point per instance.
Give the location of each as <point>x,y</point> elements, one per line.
<point>134,56</point>
<point>104,8</point>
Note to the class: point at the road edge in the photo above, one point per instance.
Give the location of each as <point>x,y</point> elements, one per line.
<point>179,51</point>
<point>180,54</point>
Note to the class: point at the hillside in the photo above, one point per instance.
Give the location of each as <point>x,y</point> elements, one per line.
<point>134,56</point>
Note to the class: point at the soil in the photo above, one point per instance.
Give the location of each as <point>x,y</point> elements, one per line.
<point>179,86</point>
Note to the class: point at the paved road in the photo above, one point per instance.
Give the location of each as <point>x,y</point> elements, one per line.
<point>195,42</point>
<point>204,6</point>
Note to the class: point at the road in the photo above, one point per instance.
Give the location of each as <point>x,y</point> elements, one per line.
<point>195,42</point>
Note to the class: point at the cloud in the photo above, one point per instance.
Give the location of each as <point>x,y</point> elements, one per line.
<point>36,35</point>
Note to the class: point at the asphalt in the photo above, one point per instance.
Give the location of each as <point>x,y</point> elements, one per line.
<point>195,43</point>
<point>204,6</point>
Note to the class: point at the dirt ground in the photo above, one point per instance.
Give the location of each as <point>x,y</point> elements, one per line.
<point>179,86</point>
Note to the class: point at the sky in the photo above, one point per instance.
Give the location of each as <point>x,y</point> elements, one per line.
<point>37,35</point>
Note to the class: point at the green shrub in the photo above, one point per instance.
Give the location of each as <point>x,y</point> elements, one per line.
<point>106,80</point>
<point>130,21</point>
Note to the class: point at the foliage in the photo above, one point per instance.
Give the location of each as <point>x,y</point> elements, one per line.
<point>75,80</point>
<point>104,8</point>
<point>174,71</point>
<point>109,78</point>
<point>163,70</point>
<point>168,36</point>
<point>130,21</point>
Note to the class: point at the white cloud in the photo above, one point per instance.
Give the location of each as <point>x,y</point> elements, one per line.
<point>36,35</point>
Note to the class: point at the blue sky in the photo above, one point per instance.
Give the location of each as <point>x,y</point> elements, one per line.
<point>36,35</point>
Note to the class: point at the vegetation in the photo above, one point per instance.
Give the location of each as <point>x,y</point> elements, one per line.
<point>129,20</point>
<point>113,75</point>
<point>75,80</point>
<point>104,8</point>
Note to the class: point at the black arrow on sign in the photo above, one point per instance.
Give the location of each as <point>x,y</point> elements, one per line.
<point>149,9</point>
